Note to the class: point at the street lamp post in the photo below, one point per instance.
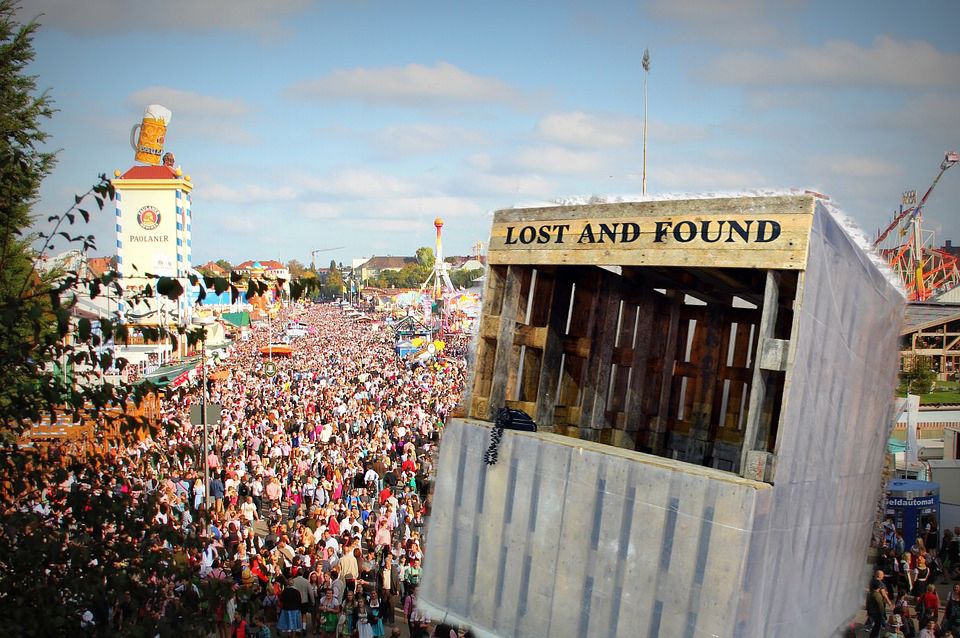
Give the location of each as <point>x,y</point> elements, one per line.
<point>203,322</point>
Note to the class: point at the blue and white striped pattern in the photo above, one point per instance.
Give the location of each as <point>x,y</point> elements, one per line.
<point>180,223</point>
<point>187,234</point>
<point>119,232</point>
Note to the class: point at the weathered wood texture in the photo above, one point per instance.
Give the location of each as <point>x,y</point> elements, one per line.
<point>754,232</point>
<point>659,359</point>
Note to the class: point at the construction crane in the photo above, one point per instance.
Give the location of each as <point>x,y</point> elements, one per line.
<point>923,269</point>
<point>313,255</point>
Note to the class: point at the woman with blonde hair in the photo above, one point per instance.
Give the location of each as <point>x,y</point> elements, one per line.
<point>920,576</point>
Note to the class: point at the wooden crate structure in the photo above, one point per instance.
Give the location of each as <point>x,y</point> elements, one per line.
<point>662,327</point>
<point>713,381</point>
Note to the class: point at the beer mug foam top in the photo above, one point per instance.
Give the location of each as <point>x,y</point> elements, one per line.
<point>149,144</point>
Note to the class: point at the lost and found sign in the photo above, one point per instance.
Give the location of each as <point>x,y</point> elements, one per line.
<point>748,232</point>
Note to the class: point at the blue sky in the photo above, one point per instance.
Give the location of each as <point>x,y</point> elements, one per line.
<point>318,124</point>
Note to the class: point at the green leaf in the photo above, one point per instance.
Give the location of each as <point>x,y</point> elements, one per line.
<point>84,329</point>
<point>169,287</point>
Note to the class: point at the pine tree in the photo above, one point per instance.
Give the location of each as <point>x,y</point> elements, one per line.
<point>22,169</point>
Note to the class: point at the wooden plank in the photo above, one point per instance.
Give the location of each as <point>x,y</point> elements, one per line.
<point>640,367</point>
<point>489,326</point>
<point>505,364</point>
<point>530,336</point>
<point>593,402</point>
<point>527,406</point>
<point>794,300</point>
<point>622,359</point>
<point>757,399</point>
<point>542,293</point>
<point>722,378</point>
<point>553,348</point>
<point>740,382</point>
<point>577,346</point>
<point>658,426</point>
<point>585,293</point>
<point>750,232</point>
<point>493,295</point>
<point>530,380</point>
<point>487,343</point>
<point>483,378</point>
<point>709,341</point>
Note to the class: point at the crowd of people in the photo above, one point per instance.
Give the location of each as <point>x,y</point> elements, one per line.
<point>903,601</point>
<point>319,484</point>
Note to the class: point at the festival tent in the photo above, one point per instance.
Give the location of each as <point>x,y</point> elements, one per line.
<point>277,350</point>
<point>238,319</point>
<point>172,376</point>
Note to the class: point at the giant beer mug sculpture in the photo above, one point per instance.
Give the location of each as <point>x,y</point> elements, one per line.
<point>149,144</point>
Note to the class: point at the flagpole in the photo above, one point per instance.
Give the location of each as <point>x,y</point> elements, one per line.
<point>646,71</point>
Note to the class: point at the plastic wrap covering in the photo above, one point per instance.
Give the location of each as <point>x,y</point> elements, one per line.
<point>569,538</point>
<point>806,571</point>
<point>564,538</point>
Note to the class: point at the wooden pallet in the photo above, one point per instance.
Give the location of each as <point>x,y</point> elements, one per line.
<point>654,345</point>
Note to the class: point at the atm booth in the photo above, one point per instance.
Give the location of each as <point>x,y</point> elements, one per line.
<point>912,503</point>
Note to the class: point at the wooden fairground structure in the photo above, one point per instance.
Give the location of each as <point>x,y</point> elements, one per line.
<point>93,434</point>
<point>932,330</point>
<point>712,411</point>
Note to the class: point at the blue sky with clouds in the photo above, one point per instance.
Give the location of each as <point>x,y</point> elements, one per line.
<point>323,123</point>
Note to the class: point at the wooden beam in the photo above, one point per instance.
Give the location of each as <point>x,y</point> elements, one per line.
<point>707,361</point>
<point>768,320</point>
<point>553,348</point>
<point>596,384</point>
<point>640,366</point>
<point>506,363</point>
<point>671,330</point>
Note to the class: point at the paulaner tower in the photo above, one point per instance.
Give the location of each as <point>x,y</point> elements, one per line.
<point>153,236</point>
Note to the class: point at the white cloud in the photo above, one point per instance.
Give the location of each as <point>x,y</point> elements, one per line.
<point>856,166</point>
<point>933,114</point>
<point>425,207</point>
<point>527,185</point>
<point>480,161</point>
<point>705,10</point>
<point>385,225</point>
<point>734,22</point>
<point>318,210</point>
<point>610,130</point>
<point>198,117</point>
<point>357,184</point>
<point>413,85</point>
<point>557,160</point>
<point>215,191</point>
<point>188,102</point>
<point>422,139</point>
<point>888,63</point>
<point>150,17</point>
<point>690,178</point>
<point>590,130</point>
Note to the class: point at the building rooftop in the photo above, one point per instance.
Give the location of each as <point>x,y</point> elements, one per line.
<point>922,315</point>
<point>150,172</point>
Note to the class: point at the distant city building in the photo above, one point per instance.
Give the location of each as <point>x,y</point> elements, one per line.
<point>98,266</point>
<point>371,269</point>
<point>214,268</point>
